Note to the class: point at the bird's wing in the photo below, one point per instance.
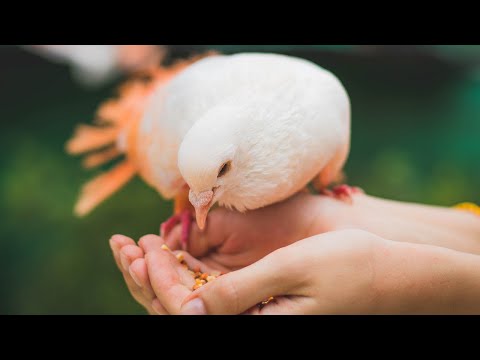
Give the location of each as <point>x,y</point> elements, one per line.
<point>171,112</point>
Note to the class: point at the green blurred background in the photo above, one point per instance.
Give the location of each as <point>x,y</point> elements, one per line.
<point>416,137</point>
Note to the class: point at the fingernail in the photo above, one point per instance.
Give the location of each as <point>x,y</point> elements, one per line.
<point>194,307</point>
<point>112,243</point>
<point>124,261</point>
<point>134,277</point>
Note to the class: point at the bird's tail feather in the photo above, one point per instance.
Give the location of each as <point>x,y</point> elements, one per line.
<point>105,141</point>
<point>113,134</point>
<point>102,186</point>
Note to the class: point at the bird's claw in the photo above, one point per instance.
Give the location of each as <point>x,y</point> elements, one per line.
<point>185,219</point>
<point>343,192</point>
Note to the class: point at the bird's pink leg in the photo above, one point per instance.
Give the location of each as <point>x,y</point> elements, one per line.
<point>169,224</point>
<point>185,219</point>
<point>342,192</point>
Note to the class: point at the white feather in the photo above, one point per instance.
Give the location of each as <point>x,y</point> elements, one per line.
<point>281,120</point>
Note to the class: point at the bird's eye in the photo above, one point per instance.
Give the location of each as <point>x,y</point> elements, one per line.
<point>224,169</point>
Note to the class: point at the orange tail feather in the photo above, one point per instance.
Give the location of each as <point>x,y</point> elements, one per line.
<point>116,120</point>
<point>87,138</point>
<point>101,187</point>
<point>101,157</point>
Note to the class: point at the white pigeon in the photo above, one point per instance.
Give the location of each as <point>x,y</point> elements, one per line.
<point>244,131</point>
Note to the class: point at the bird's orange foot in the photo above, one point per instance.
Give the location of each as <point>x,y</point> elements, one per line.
<point>185,219</point>
<point>342,192</point>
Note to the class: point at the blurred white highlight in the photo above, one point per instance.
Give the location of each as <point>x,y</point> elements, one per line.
<point>93,65</point>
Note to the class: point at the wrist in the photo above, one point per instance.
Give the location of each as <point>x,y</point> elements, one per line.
<point>449,227</point>
<point>424,279</point>
<point>327,214</point>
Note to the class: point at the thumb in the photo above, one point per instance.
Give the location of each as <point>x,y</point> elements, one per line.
<point>238,291</point>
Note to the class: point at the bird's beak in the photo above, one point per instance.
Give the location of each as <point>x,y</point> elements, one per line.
<point>201,215</point>
<point>202,202</point>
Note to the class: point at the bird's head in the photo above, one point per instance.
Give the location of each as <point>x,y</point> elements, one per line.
<point>207,162</point>
<point>233,156</point>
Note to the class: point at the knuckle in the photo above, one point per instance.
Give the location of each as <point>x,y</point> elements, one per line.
<point>366,241</point>
<point>120,240</point>
<point>149,257</point>
<point>356,233</point>
<point>156,258</point>
<point>130,250</point>
<point>284,258</point>
<point>137,265</point>
<point>228,294</point>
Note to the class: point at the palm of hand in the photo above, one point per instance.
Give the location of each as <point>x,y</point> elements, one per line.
<point>232,241</point>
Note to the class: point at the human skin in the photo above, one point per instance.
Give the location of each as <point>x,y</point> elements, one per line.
<point>344,272</point>
<point>233,241</point>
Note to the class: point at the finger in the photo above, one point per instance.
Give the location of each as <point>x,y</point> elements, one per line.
<point>237,291</point>
<point>284,305</point>
<point>172,240</point>
<point>195,264</point>
<point>153,243</point>
<point>139,273</point>
<point>170,281</point>
<point>158,308</point>
<point>136,292</point>
<point>196,239</point>
<point>150,243</point>
<point>128,254</point>
<point>201,242</point>
<point>116,243</point>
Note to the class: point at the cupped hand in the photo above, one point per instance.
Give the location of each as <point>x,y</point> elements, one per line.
<point>125,252</point>
<point>232,240</point>
<point>163,286</point>
<point>324,274</point>
<point>347,272</point>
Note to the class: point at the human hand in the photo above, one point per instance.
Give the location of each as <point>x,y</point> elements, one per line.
<point>346,272</point>
<point>162,285</point>
<point>230,241</point>
<point>233,240</point>
<point>155,277</point>
<point>125,251</point>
